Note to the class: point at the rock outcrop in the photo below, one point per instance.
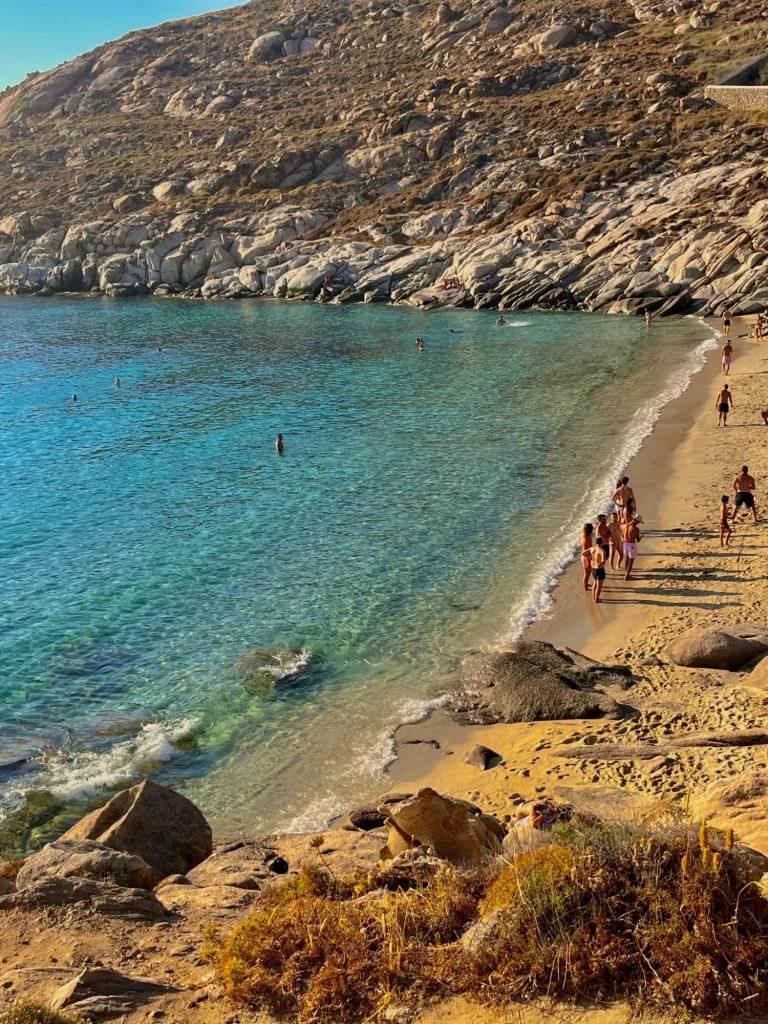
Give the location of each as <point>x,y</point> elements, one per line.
<point>69,858</point>
<point>151,822</point>
<point>533,681</point>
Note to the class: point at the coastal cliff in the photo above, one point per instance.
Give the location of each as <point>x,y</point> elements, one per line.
<point>487,155</point>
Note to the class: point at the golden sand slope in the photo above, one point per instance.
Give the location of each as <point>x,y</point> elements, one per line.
<point>684,579</point>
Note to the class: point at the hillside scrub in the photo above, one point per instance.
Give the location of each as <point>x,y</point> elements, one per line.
<point>658,914</point>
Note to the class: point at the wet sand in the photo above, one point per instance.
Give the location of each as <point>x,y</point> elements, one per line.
<point>683,579</point>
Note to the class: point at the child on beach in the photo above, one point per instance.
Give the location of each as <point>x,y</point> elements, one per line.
<point>725,526</point>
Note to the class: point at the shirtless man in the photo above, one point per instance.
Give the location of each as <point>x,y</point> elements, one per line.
<point>648,317</point>
<point>598,570</point>
<point>617,544</point>
<point>632,537</point>
<point>727,353</point>
<point>723,404</point>
<point>726,320</point>
<point>622,492</point>
<point>279,444</point>
<point>603,536</point>
<point>744,485</point>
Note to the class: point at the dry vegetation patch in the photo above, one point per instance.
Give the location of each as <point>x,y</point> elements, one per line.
<point>659,914</point>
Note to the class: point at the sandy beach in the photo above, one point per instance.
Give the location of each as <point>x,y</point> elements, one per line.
<point>683,579</point>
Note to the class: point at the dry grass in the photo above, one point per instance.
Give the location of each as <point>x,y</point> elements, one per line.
<point>655,914</point>
<point>9,869</point>
<point>27,1011</point>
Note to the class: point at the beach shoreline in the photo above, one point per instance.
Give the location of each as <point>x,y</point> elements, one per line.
<point>675,465</point>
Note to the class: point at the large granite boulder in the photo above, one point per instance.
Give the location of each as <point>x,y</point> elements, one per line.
<point>149,821</point>
<point>739,802</point>
<point>101,897</point>
<point>758,677</point>
<point>447,826</point>
<point>716,648</point>
<point>102,992</point>
<point>71,858</point>
<point>244,864</point>
<point>533,681</point>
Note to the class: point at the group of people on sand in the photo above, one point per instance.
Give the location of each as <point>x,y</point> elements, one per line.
<point>612,543</point>
<point>744,485</point>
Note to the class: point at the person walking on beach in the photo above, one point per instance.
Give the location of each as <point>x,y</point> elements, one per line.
<point>726,320</point>
<point>617,545</point>
<point>744,485</point>
<point>587,540</point>
<point>279,444</point>
<point>632,538</point>
<point>723,404</point>
<point>598,571</point>
<point>725,526</point>
<point>727,353</point>
<point>622,493</point>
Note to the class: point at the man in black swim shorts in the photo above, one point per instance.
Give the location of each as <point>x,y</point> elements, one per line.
<point>744,485</point>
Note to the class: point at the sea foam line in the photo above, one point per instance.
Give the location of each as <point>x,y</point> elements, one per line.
<point>538,600</point>
<point>81,774</point>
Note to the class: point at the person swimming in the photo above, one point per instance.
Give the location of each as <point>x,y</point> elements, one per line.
<point>420,344</point>
<point>279,444</point>
<point>500,321</point>
<point>118,382</point>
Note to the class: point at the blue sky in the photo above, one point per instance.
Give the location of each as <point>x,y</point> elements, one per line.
<point>38,34</point>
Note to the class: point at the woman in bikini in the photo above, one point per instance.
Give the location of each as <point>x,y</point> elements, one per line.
<point>617,544</point>
<point>587,541</point>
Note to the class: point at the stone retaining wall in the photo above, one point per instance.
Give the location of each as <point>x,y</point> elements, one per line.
<point>741,90</point>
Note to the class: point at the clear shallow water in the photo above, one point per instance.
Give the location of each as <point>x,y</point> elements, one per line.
<point>151,534</point>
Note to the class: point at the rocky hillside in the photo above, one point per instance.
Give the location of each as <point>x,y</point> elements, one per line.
<point>505,153</point>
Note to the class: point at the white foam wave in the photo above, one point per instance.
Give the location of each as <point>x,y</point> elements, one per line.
<point>290,663</point>
<point>564,545</point>
<point>518,323</point>
<point>77,775</point>
<point>363,771</point>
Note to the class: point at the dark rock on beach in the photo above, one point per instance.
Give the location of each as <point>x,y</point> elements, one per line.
<point>728,648</point>
<point>533,681</point>
<point>482,757</point>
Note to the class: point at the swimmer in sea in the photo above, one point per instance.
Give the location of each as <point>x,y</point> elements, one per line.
<point>500,321</point>
<point>279,444</point>
<point>420,344</point>
<point>74,398</point>
<point>118,383</point>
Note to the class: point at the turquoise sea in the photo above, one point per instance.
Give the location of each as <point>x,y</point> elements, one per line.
<point>151,534</point>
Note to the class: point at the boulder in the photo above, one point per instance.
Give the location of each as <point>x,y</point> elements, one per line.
<point>739,802</point>
<point>261,670</point>
<point>758,677</point>
<point>72,858</point>
<point>556,37</point>
<point>212,902</point>
<point>6,887</point>
<point>101,992</point>
<point>443,824</point>
<point>244,864</point>
<point>101,897</point>
<point>268,44</point>
<point>481,757</point>
<point>714,648</point>
<point>532,681</point>
<point>366,818</point>
<point>497,21</point>
<point>154,823</point>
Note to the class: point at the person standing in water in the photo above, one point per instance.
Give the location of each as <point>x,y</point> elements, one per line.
<point>648,317</point>
<point>727,353</point>
<point>118,382</point>
<point>587,540</point>
<point>420,344</point>
<point>279,444</point>
<point>500,321</point>
<point>723,404</point>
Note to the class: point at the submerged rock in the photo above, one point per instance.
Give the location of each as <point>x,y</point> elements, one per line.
<point>533,681</point>
<point>261,671</point>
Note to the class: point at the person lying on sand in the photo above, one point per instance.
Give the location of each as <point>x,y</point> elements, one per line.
<point>617,544</point>
<point>723,404</point>
<point>541,814</point>
<point>727,353</point>
<point>744,485</point>
<point>725,526</point>
<point>587,540</point>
